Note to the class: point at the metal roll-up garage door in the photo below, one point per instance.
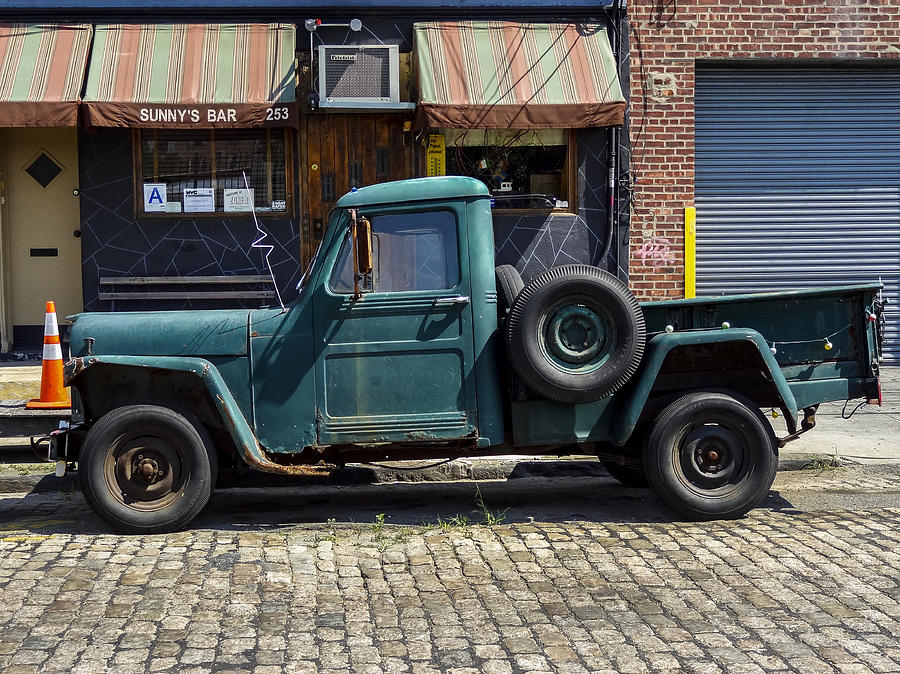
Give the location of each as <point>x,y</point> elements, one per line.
<point>798,181</point>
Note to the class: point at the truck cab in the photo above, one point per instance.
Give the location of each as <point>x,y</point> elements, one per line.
<point>410,353</point>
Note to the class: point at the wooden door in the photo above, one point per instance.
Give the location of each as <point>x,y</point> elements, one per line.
<point>43,218</point>
<point>344,151</point>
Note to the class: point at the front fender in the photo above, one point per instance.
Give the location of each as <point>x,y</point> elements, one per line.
<point>662,344</point>
<point>233,420</point>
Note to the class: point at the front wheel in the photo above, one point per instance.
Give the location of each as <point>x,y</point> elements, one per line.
<point>147,469</point>
<point>711,455</point>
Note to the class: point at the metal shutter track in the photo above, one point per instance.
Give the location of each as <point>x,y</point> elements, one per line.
<point>797,181</point>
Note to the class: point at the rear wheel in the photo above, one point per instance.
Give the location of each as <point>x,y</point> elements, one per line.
<point>711,455</point>
<point>147,469</point>
<point>626,475</point>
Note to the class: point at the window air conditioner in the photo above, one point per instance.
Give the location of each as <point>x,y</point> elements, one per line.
<point>358,76</point>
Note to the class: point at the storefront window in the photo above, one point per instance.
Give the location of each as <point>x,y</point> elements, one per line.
<point>203,171</point>
<point>523,168</point>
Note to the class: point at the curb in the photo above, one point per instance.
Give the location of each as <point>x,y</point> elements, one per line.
<point>361,474</point>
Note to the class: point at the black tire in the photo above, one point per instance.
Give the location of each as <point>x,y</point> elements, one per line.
<point>711,456</point>
<point>147,469</point>
<point>575,334</point>
<point>625,475</point>
<point>509,285</point>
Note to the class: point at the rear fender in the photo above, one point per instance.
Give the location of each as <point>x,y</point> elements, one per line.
<point>660,346</point>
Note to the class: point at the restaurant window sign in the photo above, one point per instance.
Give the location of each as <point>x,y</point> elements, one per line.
<point>203,172</point>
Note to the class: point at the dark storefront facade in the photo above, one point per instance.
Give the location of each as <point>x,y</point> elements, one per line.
<point>179,117</point>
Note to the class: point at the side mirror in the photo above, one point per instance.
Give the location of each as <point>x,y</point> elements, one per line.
<point>363,246</point>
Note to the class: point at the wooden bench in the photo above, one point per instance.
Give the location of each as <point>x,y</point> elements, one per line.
<point>116,288</point>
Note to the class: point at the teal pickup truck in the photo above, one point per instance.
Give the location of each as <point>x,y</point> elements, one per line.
<point>406,342</point>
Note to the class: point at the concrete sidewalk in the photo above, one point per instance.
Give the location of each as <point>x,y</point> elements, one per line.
<point>870,435</point>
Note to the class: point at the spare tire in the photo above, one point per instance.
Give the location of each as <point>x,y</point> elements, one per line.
<point>575,334</point>
<point>509,285</point>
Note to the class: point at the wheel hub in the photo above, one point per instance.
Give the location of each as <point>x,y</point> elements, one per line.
<point>576,334</point>
<point>146,472</point>
<point>148,469</point>
<point>710,456</point>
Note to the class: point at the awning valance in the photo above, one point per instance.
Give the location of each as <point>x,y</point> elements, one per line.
<point>192,76</point>
<point>502,74</point>
<point>41,72</point>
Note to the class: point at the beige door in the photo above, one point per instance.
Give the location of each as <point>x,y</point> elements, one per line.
<point>42,215</point>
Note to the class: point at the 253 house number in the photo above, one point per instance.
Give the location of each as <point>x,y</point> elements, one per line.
<point>277,114</point>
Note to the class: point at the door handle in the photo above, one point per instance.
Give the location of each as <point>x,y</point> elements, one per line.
<point>459,299</point>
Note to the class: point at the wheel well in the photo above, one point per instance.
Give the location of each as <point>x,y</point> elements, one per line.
<point>103,388</point>
<point>734,366</point>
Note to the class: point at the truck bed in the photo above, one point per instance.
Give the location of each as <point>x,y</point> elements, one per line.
<point>798,325</point>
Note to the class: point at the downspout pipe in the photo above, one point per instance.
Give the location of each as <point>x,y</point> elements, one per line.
<point>612,224</point>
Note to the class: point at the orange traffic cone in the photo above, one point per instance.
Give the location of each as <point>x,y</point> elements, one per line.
<point>53,393</point>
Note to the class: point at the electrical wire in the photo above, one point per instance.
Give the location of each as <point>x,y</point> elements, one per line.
<point>844,414</point>
<point>258,243</point>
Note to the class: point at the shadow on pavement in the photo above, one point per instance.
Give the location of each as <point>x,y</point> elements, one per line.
<point>518,501</point>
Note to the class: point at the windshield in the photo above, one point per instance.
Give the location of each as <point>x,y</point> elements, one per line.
<point>309,268</point>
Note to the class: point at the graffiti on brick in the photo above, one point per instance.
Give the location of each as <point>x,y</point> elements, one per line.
<point>656,251</point>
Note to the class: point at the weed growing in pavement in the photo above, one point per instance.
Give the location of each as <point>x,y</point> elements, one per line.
<point>377,528</point>
<point>402,536</point>
<point>330,534</point>
<point>453,523</point>
<point>822,463</point>
<point>488,517</point>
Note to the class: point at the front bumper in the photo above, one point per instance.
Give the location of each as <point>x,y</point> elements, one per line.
<point>65,443</point>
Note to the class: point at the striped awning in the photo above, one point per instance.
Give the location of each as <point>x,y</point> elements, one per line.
<point>41,72</point>
<point>192,76</point>
<point>502,75</point>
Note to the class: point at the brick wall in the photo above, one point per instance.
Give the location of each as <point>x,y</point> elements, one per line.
<point>667,38</point>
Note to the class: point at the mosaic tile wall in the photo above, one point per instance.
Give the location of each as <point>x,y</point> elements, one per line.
<point>117,243</point>
<point>533,244</point>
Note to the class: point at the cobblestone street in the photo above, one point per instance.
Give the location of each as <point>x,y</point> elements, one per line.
<point>584,584</point>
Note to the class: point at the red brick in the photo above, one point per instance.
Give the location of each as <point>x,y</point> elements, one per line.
<point>663,133</point>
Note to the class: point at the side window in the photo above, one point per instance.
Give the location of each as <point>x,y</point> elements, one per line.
<point>411,251</point>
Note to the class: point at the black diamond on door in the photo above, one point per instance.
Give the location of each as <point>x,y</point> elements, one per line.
<point>43,169</point>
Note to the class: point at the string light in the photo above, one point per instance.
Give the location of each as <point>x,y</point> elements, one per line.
<point>826,342</point>
<point>828,345</point>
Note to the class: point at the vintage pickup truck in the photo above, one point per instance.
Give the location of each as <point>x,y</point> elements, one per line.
<point>405,342</point>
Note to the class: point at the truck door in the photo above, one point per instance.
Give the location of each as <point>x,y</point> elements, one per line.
<point>396,364</point>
